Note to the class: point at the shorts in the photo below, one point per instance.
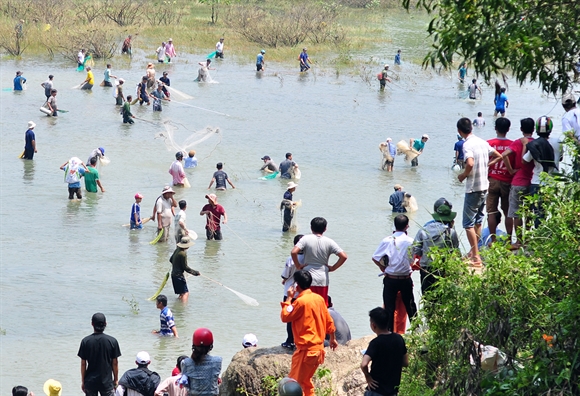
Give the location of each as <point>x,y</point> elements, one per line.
<point>160,61</point>
<point>219,55</point>
<point>473,206</point>
<point>87,86</point>
<point>498,190</point>
<point>143,99</point>
<point>74,190</point>
<point>107,84</point>
<point>135,226</point>
<point>517,194</point>
<point>321,291</point>
<point>119,101</point>
<point>110,392</point>
<point>259,67</point>
<point>500,110</point>
<point>179,284</point>
<point>217,234</point>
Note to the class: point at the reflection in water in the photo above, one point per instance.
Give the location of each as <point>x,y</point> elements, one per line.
<point>211,250</point>
<point>259,75</point>
<point>28,174</point>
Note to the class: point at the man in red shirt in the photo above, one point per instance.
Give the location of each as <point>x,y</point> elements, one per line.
<point>213,211</point>
<point>311,321</point>
<point>521,171</point>
<point>499,181</point>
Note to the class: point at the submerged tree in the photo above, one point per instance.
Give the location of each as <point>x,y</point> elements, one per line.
<point>537,40</point>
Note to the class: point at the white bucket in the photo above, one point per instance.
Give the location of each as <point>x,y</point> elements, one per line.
<point>45,111</point>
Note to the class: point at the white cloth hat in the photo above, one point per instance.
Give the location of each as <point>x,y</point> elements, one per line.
<point>568,97</point>
<point>250,340</point>
<point>167,189</point>
<point>292,185</point>
<point>425,136</point>
<point>143,358</point>
<point>31,124</point>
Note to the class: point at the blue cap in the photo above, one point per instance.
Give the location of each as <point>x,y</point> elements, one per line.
<point>102,150</point>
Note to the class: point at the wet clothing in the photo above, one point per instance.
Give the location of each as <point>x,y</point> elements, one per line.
<point>473,88</point>
<point>304,66</point>
<point>459,148</point>
<point>260,61</point>
<point>286,205</point>
<point>96,153</point>
<point>126,111</point>
<point>141,380</point>
<point>91,178</point>
<point>190,162</point>
<point>500,101</point>
<point>179,266</point>
<point>398,59</point>
<point>52,102</point>
<point>387,352</point>
<point>167,322</point>
<point>136,210</point>
<point>99,350</point>
<point>220,179</point>
<point>270,165</point>
<point>47,85</point>
<point>18,81</point>
<point>177,172</point>
<point>285,167</point>
<point>29,137</point>
<point>396,201</point>
<point>213,219</point>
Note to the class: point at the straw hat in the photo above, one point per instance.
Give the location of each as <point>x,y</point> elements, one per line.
<point>212,198</point>
<point>185,242</point>
<point>52,388</point>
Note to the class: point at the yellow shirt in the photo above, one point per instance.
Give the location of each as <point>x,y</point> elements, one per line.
<point>310,319</point>
<point>90,77</point>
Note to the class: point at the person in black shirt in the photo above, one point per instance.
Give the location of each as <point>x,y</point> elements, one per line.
<point>99,366</point>
<point>388,354</point>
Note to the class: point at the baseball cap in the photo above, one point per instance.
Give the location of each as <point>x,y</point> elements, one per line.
<point>99,321</point>
<point>441,201</point>
<point>568,98</point>
<point>266,157</point>
<point>250,340</point>
<point>102,150</point>
<point>143,358</point>
<point>425,136</point>
<point>138,196</point>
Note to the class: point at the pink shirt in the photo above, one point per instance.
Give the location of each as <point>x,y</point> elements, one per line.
<point>168,385</point>
<point>170,50</point>
<point>523,176</point>
<point>176,170</point>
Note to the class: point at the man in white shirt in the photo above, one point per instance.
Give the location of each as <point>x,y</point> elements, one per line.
<point>164,211</point>
<point>476,154</point>
<point>393,257</point>
<point>219,49</point>
<point>571,122</point>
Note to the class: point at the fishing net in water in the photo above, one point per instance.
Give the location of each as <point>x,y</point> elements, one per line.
<point>294,222</point>
<point>385,154</point>
<point>172,131</point>
<point>178,94</point>
<point>404,149</point>
<point>204,76</point>
<point>410,204</point>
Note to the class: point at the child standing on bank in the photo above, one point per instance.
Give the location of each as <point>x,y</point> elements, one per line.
<point>168,327</point>
<point>136,223</point>
<point>287,281</point>
<point>388,354</point>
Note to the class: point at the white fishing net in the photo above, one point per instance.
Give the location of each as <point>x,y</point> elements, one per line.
<point>174,131</point>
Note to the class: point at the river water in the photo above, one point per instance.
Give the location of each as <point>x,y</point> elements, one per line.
<point>62,261</point>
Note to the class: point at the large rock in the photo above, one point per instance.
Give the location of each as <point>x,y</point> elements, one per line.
<point>248,367</point>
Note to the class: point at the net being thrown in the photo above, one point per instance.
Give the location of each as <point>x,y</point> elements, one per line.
<point>171,130</point>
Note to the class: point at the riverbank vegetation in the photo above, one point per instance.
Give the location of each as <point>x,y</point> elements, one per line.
<point>525,303</point>
<point>61,27</point>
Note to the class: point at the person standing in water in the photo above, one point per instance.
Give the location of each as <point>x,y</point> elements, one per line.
<point>203,71</point>
<point>473,88</point>
<point>126,48</point>
<point>108,76</point>
<point>501,100</point>
<point>389,152</point>
<point>418,145</point>
<point>462,72</point>
<point>170,50</point>
<point>51,103</point>
<point>219,49</point>
<point>220,178</point>
<point>29,142</point>
<point>179,267</point>
<point>304,60</point>
<point>126,112</point>
<point>161,53</point>
<point>383,77</point>
<point>287,166</point>
<point>398,58</point>
<point>176,170</point>
<point>213,212</point>
<point>89,81</point>
<point>48,85</point>
<point>18,81</point>
<point>288,206</point>
<point>260,65</point>
<point>479,121</point>
<point>120,98</point>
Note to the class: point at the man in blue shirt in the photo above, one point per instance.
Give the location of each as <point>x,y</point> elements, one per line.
<point>398,58</point>
<point>288,206</point>
<point>501,103</point>
<point>286,166</point>
<point>389,152</point>
<point>418,145</point>
<point>30,142</point>
<point>304,60</point>
<point>18,81</point>
<point>396,199</point>
<point>220,178</point>
<point>190,161</point>
<point>459,152</point>
<point>260,61</point>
